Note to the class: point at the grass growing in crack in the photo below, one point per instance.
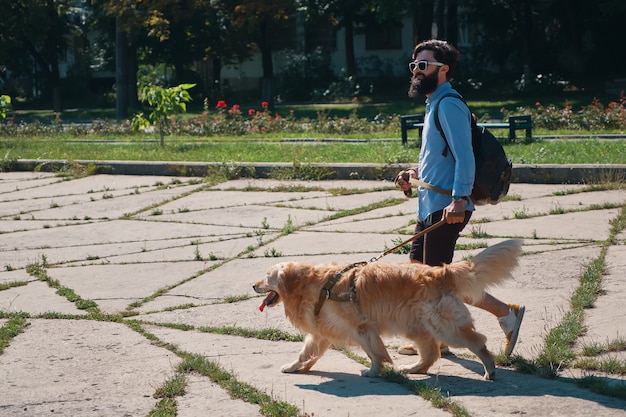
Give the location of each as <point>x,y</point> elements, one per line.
<point>201,365</point>
<point>237,389</point>
<point>610,184</point>
<point>236,298</point>
<point>263,334</point>
<point>12,284</point>
<point>426,391</point>
<point>167,393</point>
<point>390,202</point>
<point>558,351</point>
<point>14,326</point>
<point>608,365</point>
<point>595,349</point>
<point>173,387</point>
<point>602,386</point>
<point>38,271</point>
<point>470,246</point>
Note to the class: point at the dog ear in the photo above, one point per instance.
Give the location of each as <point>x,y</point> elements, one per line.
<point>275,275</point>
<point>281,274</point>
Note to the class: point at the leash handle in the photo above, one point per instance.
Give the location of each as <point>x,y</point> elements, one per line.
<point>411,239</point>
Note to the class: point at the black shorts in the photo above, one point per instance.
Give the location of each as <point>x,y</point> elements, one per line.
<point>436,248</point>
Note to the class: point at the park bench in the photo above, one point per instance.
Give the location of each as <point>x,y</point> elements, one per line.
<point>525,122</point>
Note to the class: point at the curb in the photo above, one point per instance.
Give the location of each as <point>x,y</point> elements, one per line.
<point>523,173</point>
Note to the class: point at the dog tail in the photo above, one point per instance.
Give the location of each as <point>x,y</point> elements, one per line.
<point>491,266</point>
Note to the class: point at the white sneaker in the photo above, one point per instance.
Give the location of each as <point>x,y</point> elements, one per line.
<point>510,325</point>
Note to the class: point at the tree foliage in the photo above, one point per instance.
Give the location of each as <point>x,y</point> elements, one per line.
<point>519,41</point>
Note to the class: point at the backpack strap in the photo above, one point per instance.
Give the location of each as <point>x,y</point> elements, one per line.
<point>438,123</point>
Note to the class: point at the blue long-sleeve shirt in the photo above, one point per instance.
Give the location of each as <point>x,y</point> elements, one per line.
<point>456,170</point>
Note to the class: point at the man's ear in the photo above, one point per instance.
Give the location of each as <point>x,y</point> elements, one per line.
<point>443,71</point>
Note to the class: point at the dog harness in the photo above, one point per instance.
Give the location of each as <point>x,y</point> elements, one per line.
<point>326,294</point>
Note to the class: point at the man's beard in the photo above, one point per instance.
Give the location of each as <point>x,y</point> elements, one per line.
<point>424,86</point>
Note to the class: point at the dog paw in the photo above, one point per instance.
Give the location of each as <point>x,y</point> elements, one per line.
<point>370,373</point>
<point>290,368</point>
<point>411,369</point>
<point>489,376</point>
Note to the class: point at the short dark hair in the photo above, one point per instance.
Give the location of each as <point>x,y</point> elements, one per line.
<point>443,52</point>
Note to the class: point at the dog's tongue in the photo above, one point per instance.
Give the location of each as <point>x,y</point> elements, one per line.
<point>270,295</point>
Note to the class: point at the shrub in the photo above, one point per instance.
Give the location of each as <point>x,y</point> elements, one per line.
<point>592,117</point>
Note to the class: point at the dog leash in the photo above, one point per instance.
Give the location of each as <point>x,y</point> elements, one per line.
<point>411,239</point>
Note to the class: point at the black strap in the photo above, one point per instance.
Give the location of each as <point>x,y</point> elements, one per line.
<point>438,123</point>
<point>326,294</point>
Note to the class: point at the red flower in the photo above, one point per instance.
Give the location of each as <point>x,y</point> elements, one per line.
<point>251,112</point>
<point>537,104</point>
<point>221,104</point>
<point>265,104</point>
<point>234,109</point>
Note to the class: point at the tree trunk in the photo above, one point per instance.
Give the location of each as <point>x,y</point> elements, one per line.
<point>349,45</point>
<point>452,26</point>
<point>267,82</point>
<point>422,21</point>
<point>121,71</point>
<point>132,89</point>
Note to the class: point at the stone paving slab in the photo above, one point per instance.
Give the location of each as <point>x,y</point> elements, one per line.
<point>189,256</point>
<point>81,368</point>
<point>338,391</point>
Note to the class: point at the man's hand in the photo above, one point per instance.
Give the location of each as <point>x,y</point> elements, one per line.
<point>402,181</point>
<point>454,212</point>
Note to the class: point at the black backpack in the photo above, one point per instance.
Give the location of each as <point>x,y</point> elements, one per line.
<point>493,168</point>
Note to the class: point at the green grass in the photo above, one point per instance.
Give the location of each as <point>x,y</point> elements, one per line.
<point>559,350</point>
<point>381,152</point>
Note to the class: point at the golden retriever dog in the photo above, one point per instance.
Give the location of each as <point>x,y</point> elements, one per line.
<point>421,303</point>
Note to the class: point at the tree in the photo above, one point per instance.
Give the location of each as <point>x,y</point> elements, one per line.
<point>260,19</point>
<point>129,17</point>
<point>36,31</point>
<point>344,14</point>
<point>165,103</point>
<point>187,32</point>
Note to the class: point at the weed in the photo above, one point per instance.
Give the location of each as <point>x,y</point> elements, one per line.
<point>197,254</point>
<point>402,250</point>
<point>288,227</point>
<point>479,233</point>
<point>272,253</point>
<point>521,213</point>
<point>557,210</point>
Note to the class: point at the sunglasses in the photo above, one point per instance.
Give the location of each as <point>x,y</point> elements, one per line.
<point>422,65</point>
